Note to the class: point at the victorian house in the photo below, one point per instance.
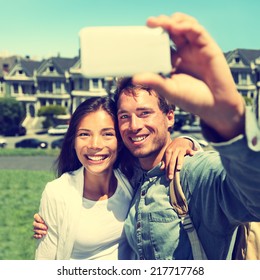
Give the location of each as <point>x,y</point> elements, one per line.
<point>58,81</point>
<point>245,68</point>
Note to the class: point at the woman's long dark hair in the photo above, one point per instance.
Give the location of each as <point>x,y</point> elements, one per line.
<point>68,161</point>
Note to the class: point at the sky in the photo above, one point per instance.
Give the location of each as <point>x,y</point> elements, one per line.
<point>44,28</point>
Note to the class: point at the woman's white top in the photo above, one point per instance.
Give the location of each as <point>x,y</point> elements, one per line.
<point>79,228</point>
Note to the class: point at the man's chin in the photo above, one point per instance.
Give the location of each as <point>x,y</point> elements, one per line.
<point>139,154</point>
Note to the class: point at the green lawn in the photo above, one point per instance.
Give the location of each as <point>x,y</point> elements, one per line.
<point>28,152</point>
<point>20,192</point>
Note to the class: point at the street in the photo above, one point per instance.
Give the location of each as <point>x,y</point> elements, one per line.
<point>30,134</point>
<point>46,162</point>
<point>49,138</point>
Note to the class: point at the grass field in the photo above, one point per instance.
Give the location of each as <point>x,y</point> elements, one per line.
<point>20,193</point>
<point>28,152</point>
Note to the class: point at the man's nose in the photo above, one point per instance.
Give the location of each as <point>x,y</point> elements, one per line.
<point>135,123</point>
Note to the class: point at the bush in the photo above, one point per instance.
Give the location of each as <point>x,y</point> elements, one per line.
<point>11,114</point>
<point>50,112</point>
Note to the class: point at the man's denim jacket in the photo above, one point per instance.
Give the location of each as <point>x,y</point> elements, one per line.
<point>222,188</point>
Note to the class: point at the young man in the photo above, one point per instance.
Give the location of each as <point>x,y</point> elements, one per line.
<point>222,188</point>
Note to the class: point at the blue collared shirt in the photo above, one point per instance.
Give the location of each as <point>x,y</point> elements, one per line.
<point>222,189</point>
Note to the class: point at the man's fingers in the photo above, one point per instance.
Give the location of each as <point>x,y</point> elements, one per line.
<point>180,160</point>
<point>175,163</point>
<point>39,226</point>
<point>38,218</point>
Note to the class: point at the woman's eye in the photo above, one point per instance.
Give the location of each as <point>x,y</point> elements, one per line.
<point>83,134</point>
<point>109,134</point>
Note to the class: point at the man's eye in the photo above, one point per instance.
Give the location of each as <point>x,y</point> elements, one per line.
<point>144,113</point>
<point>123,117</point>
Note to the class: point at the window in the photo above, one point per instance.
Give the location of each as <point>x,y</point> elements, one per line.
<point>58,85</point>
<point>243,78</point>
<point>80,84</point>
<point>95,83</point>
<point>49,88</point>
<point>45,86</point>
<point>16,86</point>
<point>24,89</point>
<point>237,59</point>
<point>235,77</point>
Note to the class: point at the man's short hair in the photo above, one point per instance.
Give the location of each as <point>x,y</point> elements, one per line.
<point>125,85</point>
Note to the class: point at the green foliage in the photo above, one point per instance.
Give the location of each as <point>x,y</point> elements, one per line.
<point>20,198</point>
<point>249,101</point>
<point>50,112</point>
<point>11,113</point>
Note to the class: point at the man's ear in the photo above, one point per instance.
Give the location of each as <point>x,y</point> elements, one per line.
<point>170,118</point>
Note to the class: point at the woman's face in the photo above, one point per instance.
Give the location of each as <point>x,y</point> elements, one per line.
<point>96,142</point>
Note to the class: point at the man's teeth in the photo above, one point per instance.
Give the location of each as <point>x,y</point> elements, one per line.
<point>96,158</point>
<point>138,139</point>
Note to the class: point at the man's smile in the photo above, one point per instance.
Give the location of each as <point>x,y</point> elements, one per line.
<point>138,139</point>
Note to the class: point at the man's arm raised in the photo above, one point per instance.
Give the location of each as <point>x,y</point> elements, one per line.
<point>201,81</point>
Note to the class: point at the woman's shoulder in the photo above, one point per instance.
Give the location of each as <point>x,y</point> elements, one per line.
<point>66,183</point>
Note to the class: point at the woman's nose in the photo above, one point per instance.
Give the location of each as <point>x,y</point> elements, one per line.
<point>96,142</point>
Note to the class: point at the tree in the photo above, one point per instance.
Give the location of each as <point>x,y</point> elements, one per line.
<point>12,114</point>
<point>50,112</point>
<point>249,101</point>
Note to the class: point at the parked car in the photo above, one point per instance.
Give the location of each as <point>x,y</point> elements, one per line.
<point>195,127</point>
<point>60,129</point>
<point>31,143</point>
<point>3,142</point>
<point>57,143</point>
<point>15,131</point>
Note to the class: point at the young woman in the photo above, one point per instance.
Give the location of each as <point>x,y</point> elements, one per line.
<point>86,206</point>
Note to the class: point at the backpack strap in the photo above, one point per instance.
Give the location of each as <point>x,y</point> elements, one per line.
<point>180,205</point>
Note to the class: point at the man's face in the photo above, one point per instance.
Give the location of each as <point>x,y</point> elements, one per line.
<point>144,127</point>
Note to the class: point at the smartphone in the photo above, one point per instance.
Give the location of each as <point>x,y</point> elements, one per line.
<point>122,51</point>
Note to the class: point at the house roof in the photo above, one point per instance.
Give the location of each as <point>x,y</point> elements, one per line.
<point>64,63</point>
<point>6,63</point>
<point>29,66</point>
<point>61,64</point>
<point>247,55</point>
